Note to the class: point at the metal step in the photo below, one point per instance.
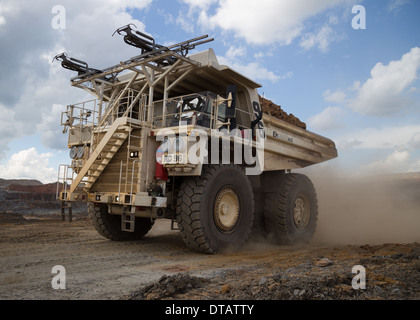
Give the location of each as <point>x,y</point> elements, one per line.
<point>101,160</point>
<point>135,148</point>
<point>66,205</point>
<point>128,220</point>
<point>136,137</point>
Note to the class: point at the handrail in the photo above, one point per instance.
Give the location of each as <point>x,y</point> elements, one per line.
<point>64,178</point>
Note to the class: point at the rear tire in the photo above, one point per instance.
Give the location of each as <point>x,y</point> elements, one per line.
<point>109,225</point>
<point>291,213</point>
<point>215,211</point>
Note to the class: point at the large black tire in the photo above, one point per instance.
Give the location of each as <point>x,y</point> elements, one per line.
<point>109,225</point>
<point>215,211</point>
<point>258,232</point>
<point>291,212</point>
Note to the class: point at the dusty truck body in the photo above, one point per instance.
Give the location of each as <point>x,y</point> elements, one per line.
<point>181,137</point>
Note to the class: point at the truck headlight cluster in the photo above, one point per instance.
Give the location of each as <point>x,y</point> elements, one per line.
<point>77,152</point>
<point>134,154</point>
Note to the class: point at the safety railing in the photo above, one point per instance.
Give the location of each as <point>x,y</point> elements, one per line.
<point>127,186</point>
<point>170,112</point>
<point>64,179</point>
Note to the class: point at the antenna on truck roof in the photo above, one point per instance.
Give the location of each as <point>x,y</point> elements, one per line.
<point>154,53</point>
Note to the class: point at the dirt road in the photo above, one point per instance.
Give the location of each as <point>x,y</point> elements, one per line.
<point>160,266</point>
<point>373,224</point>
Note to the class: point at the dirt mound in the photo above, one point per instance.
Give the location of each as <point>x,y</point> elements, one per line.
<point>168,286</point>
<point>4,183</point>
<point>11,217</point>
<point>43,188</point>
<point>274,110</point>
<point>43,192</point>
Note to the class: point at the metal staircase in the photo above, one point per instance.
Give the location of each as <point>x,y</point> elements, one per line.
<point>130,170</point>
<point>103,154</point>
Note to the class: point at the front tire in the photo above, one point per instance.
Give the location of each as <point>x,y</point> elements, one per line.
<point>109,225</point>
<point>291,213</point>
<point>215,211</point>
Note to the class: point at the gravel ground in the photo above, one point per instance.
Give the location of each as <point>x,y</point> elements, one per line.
<point>161,267</point>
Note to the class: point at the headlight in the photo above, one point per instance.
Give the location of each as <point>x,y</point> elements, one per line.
<point>179,144</point>
<point>73,153</point>
<point>80,152</point>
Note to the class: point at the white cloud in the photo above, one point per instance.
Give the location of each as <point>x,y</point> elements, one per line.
<point>7,8</point>
<point>391,164</point>
<point>30,84</point>
<point>348,144</point>
<point>184,23</point>
<point>395,5</point>
<point>335,97</point>
<point>383,93</point>
<point>29,164</point>
<point>7,128</point>
<point>381,138</point>
<point>322,38</point>
<point>263,54</point>
<point>235,52</point>
<point>328,119</point>
<point>252,70</point>
<point>414,167</point>
<point>50,129</point>
<point>415,141</point>
<point>266,21</point>
<point>203,4</point>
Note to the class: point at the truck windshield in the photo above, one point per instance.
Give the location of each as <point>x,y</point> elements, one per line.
<point>189,106</point>
<point>198,105</point>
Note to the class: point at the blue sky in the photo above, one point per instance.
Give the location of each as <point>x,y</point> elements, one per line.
<point>360,88</point>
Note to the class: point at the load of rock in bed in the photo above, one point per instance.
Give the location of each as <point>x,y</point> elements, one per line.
<point>276,111</point>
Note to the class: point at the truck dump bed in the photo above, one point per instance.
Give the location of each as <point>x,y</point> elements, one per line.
<point>290,147</point>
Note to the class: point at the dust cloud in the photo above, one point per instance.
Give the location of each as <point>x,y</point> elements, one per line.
<point>367,210</point>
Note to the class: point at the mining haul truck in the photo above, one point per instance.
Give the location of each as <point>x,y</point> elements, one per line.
<point>178,136</point>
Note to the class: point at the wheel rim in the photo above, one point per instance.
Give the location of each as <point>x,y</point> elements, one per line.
<point>226,210</point>
<point>301,212</point>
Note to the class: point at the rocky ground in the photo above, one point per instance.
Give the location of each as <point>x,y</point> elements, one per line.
<point>160,267</point>
<point>393,275</point>
<point>379,231</point>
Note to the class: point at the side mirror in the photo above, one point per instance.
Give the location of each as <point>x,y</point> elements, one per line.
<point>231,102</point>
